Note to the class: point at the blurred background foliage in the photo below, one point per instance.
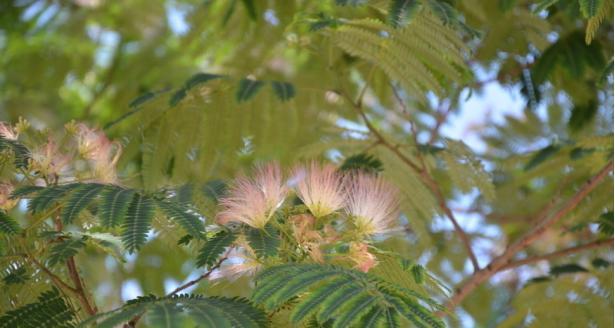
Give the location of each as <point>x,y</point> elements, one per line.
<point>129,67</point>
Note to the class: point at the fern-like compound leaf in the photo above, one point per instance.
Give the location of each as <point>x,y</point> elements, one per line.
<point>49,196</point>
<point>214,247</point>
<point>78,200</point>
<point>187,219</point>
<point>208,312</point>
<point>248,89</point>
<point>24,191</point>
<point>8,225</point>
<point>283,90</point>
<point>137,223</point>
<point>400,10</point>
<point>264,242</point>
<point>114,205</point>
<point>343,296</point>
<point>59,253</point>
<point>49,311</point>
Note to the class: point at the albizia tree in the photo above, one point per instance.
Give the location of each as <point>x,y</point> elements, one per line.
<point>291,163</point>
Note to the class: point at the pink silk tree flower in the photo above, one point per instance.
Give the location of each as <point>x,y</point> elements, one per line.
<point>320,188</point>
<point>101,152</point>
<point>372,203</point>
<point>363,259</point>
<point>254,201</point>
<point>8,132</point>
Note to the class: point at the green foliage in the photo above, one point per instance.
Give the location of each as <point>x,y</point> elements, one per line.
<point>21,154</point>
<point>466,170</point>
<point>437,51</point>
<point>78,200</point>
<point>400,10</point>
<point>65,249</point>
<point>605,223</point>
<point>15,275</point>
<point>46,198</point>
<point>8,225</point>
<point>137,223</point>
<point>189,220</point>
<point>362,162</point>
<point>264,242</point>
<point>283,90</point>
<point>214,247</point>
<point>566,269</point>
<point>211,312</point>
<point>590,8</point>
<point>114,205</point>
<point>248,89</point>
<point>50,310</point>
<point>348,297</point>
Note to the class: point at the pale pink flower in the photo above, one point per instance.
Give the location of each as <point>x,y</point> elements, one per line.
<point>49,160</point>
<point>254,201</point>
<point>306,237</point>
<point>101,152</point>
<point>8,132</point>
<point>320,188</point>
<point>363,259</point>
<point>372,203</point>
<point>240,262</point>
<point>5,193</point>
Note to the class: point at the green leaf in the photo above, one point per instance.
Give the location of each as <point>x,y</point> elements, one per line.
<point>362,162</point>
<point>47,197</point>
<point>342,295</point>
<point>566,268</point>
<point>589,8</point>
<point>214,247</point>
<point>114,205</point>
<point>8,225</point>
<point>60,252</point>
<point>49,311</point>
<point>582,115</point>
<point>605,223</point>
<point>137,223</point>
<point>264,242</point>
<point>283,90</point>
<point>400,10</point>
<point>177,97</point>
<point>248,89</point>
<point>16,275</point>
<point>201,78</point>
<point>21,153</point>
<point>209,312</point>
<point>79,199</point>
<point>23,191</point>
<point>418,273</point>
<point>541,156</point>
<point>250,8</point>
<point>214,189</point>
<point>188,220</point>
<point>544,5</point>
<point>140,100</point>
<point>350,2</point>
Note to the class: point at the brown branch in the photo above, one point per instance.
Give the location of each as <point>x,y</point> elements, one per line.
<point>133,322</point>
<point>560,253</point>
<point>54,278</point>
<point>501,261</point>
<point>80,290</point>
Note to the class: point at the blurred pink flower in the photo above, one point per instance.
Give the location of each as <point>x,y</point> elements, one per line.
<point>363,259</point>
<point>372,203</point>
<point>320,188</point>
<point>5,193</point>
<point>240,262</point>
<point>8,132</point>
<point>49,160</point>
<point>102,153</point>
<point>253,201</point>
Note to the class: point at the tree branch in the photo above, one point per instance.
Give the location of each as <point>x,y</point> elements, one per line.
<point>545,222</point>
<point>79,286</point>
<point>133,322</point>
<point>560,253</point>
<point>54,278</point>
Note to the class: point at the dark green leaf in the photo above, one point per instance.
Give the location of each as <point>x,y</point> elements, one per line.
<point>60,252</point>
<point>49,311</point>
<point>248,89</point>
<point>78,200</point>
<point>23,191</point>
<point>137,223</point>
<point>8,225</point>
<point>214,247</point>
<point>114,205</point>
<point>178,96</point>
<point>141,99</point>
<point>264,242</point>
<point>566,268</point>
<point>541,156</point>
<point>250,8</point>
<point>589,8</point>
<point>362,162</point>
<point>201,78</point>
<point>187,219</point>
<point>50,196</point>
<point>283,90</point>
<point>401,10</point>
<point>605,223</point>
<point>16,275</point>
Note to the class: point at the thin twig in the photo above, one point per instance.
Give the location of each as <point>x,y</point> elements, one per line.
<point>506,258</point>
<point>54,278</point>
<point>560,253</point>
<point>133,322</point>
<point>422,172</point>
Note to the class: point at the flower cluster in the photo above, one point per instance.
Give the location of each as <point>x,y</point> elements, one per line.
<point>336,209</point>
